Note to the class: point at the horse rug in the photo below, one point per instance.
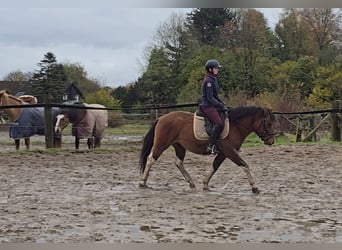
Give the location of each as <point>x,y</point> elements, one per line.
<point>200,132</point>
<point>30,122</point>
<point>94,123</point>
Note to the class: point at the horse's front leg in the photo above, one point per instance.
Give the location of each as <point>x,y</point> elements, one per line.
<point>77,142</point>
<point>17,143</point>
<point>235,157</point>
<point>57,142</point>
<point>216,164</point>
<point>27,143</point>
<point>90,143</point>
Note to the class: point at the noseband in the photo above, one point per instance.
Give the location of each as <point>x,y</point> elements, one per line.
<point>264,135</point>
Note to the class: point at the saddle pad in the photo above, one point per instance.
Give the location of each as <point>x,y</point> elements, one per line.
<point>199,129</point>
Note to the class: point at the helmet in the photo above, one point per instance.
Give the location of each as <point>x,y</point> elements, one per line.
<point>212,63</point>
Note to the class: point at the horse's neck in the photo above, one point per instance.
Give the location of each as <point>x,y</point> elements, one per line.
<point>77,115</point>
<point>245,127</point>
<point>13,113</point>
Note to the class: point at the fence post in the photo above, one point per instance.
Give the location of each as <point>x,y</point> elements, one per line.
<point>312,136</point>
<point>299,129</point>
<point>336,122</point>
<point>48,122</point>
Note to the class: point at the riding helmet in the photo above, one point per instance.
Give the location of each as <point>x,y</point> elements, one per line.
<point>212,63</point>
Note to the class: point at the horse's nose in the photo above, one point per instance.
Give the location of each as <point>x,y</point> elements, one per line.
<point>57,130</point>
<point>270,141</point>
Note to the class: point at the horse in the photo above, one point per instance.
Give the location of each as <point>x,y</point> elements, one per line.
<point>176,129</point>
<point>86,123</point>
<point>25,122</point>
<point>30,99</point>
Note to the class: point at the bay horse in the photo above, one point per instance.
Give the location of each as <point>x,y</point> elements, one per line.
<point>25,122</point>
<point>86,123</point>
<point>176,129</point>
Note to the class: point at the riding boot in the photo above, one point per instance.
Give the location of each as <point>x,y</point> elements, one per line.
<point>212,148</point>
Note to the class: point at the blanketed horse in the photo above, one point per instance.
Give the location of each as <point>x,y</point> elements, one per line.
<point>86,123</point>
<point>26,122</point>
<point>176,129</point>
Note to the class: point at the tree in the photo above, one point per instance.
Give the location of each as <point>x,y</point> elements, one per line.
<point>327,88</point>
<point>104,97</point>
<point>17,76</point>
<point>293,36</point>
<point>253,41</point>
<point>77,74</point>
<point>50,79</point>
<point>177,43</point>
<point>206,23</point>
<point>158,87</point>
<point>324,29</point>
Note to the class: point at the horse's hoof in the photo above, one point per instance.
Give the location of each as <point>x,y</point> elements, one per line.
<point>192,186</point>
<point>142,185</point>
<point>206,188</point>
<point>255,190</point>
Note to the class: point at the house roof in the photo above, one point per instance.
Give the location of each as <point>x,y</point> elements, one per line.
<point>16,88</point>
<point>73,90</point>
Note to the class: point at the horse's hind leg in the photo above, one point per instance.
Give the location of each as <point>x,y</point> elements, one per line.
<point>97,142</point>
<point>149,163</point>
<point>180,153</point>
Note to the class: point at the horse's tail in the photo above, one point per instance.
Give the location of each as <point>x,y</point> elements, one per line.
<point>147,146</point>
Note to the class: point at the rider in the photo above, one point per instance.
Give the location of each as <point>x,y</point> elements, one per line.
<point>211,104</point>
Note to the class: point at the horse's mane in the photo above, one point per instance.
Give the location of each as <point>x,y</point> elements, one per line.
<point>238,113</point>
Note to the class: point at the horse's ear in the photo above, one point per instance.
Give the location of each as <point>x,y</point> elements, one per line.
<point>266,111</point>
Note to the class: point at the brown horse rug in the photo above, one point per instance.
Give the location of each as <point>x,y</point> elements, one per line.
<point>93,123</point>
<point>199,130</point>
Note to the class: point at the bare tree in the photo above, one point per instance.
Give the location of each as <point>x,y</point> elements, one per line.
<point>17,76</point>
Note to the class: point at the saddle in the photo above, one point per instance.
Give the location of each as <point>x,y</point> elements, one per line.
<point>203,126</point>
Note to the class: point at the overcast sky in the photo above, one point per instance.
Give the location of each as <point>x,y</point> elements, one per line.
<point>107,42</point>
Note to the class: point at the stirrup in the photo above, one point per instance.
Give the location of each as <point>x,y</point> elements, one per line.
<point>211,149</point>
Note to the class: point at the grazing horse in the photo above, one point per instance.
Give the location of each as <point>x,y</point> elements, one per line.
<point>25,122</point>
<point>86,123</point>
<point>176,129</point>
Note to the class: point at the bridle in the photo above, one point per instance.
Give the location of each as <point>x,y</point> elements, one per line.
<point>264,135</point>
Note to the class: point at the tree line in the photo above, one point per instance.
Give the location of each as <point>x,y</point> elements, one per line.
<point>295,66</point>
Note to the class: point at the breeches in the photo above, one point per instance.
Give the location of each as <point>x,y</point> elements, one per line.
<point>213,115</point>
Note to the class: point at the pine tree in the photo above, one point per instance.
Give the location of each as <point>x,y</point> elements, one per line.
<point>50,79</point>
